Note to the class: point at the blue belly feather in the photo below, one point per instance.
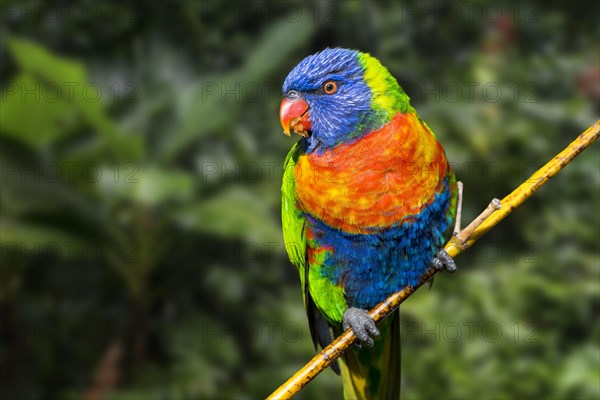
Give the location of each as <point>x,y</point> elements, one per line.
<point>370,267</point>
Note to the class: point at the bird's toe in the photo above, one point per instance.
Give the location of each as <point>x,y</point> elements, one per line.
<point>362,326</point>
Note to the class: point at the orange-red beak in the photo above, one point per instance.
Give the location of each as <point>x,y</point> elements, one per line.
<point>293,114</point>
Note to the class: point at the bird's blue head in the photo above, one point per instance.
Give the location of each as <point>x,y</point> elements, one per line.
<point>338,95</point>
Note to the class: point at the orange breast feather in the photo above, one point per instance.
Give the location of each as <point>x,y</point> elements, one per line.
<point>375,182</point>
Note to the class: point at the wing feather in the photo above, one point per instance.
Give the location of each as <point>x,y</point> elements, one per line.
<point>294,224</point>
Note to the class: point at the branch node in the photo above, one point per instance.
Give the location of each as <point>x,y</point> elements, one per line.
<point>455,241</point>
<point>496,204</point>
<point>468,231</point>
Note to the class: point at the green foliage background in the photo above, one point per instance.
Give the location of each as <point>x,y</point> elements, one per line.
<point>141,164</point>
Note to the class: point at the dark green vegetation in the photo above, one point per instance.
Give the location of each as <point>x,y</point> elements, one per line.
<point>141,158</point>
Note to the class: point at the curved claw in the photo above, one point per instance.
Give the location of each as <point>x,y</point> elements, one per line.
<point>362,326</point>
<point>442,261</point>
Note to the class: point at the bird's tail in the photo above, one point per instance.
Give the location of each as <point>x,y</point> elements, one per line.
<point>374,373</point>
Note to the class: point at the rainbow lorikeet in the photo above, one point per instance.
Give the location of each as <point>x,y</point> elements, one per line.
<point>369,200</point>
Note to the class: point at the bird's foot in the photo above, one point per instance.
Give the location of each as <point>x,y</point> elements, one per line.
<point>362,325</point>
<point>442,261</point>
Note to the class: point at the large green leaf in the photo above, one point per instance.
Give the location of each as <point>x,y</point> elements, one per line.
<point>51,96</point>
<point>30,115</point>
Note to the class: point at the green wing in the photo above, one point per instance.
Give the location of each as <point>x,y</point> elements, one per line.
<point>293,220</point>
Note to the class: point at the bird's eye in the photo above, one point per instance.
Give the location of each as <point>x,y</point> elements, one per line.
<point>293,94</point>
<point>330,87</point>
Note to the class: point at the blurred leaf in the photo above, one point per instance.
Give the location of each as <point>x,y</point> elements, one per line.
<point>30,116</point>
<point>55,90</point>
<point>24,196</point>
<point>233,213</point>
<point>32,238</point>
<point>206,105</point>
<point>582,367</point>
<point>148,186</point>
<point>44,65</point>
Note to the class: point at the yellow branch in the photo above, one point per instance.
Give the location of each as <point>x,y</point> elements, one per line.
<point>493,214</point>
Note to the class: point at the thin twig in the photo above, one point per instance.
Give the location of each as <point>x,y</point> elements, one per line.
<point>457,223</point>
<point>459,243</point>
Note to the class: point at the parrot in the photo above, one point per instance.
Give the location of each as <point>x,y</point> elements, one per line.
<point>368,202</point>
